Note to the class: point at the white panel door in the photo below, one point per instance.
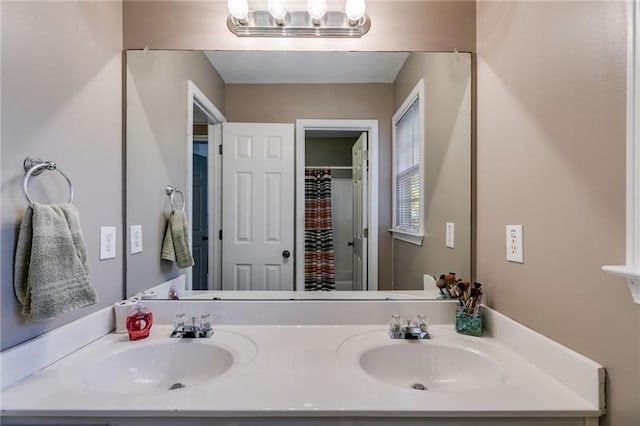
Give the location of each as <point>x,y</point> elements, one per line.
<point>257,206</point>
<point>359,164</point>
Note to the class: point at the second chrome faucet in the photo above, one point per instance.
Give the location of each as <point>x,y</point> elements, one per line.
<point>416,329</point>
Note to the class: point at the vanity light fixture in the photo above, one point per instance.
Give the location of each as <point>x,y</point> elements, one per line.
<point>354,9</point>
<point>315,21</point>
<point>316,9</point>
<point>239,10</point>
<point>278,11</point>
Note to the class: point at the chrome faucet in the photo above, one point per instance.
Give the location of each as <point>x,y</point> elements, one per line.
<point>203,329</point>
<point>418,329</point>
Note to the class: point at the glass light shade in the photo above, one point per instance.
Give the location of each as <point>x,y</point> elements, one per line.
<point>316,9</point>
<point>354,9</point>
<point>239,9</point>
<point>278,9</point>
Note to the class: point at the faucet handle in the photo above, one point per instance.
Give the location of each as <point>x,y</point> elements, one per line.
<point>396,327</point>
<point>395,322</point>
<point>422,322</point>
<point>206,322</point>
<point>179,322</point>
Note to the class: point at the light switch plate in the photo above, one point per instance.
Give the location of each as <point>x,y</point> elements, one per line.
<point>450,234</point>
<point>514,244</point>
<point>107,242</point>
<point>136,239</point>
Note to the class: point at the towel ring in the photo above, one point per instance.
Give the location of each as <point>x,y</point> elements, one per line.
<point>171,191</point>
<point>35,166</point>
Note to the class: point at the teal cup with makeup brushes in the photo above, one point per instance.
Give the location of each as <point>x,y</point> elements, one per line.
<point>468,323</point>
<point>468,318</point>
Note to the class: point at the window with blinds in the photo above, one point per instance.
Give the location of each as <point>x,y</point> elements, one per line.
<point>408,170</point>
<point>408,144</point>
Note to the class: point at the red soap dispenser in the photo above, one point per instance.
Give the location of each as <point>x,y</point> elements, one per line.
<point>139,322</point>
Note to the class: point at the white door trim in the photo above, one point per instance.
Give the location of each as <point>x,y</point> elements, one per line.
<point>370,126</point>
<point>215,207</point>
<point>195,97</point>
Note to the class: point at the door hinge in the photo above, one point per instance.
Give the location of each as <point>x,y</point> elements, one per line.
<point>366,155</point>
<point>366,232</point>
<point>220,235</point>
<point>220,149</point>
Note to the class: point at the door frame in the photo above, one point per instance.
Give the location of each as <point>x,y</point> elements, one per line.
<point>195,97</point>
<point>370,126</point>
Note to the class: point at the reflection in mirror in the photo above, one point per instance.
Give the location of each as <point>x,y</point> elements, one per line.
<point>285,160</point>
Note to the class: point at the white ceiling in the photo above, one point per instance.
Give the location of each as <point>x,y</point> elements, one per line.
<point>250,67</point>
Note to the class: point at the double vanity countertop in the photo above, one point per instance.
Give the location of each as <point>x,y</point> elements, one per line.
<point>308,371</point>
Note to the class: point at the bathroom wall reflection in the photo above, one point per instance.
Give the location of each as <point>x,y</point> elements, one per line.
<point>278,186</point>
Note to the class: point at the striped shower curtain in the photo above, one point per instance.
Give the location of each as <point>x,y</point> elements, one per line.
<point>319,261</point>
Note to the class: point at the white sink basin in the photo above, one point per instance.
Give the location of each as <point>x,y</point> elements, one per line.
<point>438,365</point>
<point>434,367</point>
<point>158,367</point>
<point>160,364</point>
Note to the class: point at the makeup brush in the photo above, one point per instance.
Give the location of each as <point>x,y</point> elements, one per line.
<point>442,285</point>
<point>460,290</point>
<point>476,297</point>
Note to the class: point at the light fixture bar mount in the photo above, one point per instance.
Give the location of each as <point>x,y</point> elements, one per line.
<point>298,23</point>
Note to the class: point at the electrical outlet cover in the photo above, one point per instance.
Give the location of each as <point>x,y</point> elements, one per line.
<point>450,234</point>
<point>107,242</point>
<point>514,244</point>
<point>136,239</point>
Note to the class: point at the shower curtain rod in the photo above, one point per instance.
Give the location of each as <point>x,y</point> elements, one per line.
<point>330,167</point>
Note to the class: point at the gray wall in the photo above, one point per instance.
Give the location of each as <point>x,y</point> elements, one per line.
<point>434,25</point>
<point>447,167</point>
<point>156,148</point>
<point>551,156</point>
<point>284,103</point>
<point>62,101</point>
<point>321,151</point>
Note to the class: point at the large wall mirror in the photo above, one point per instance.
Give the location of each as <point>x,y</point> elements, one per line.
<point>281,171</point>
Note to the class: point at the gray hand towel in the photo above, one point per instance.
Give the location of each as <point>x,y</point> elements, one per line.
<point>176,242</point>
<point>51,274</point>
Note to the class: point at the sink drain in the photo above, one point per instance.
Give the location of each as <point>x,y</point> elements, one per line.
<point>418,386</point>
<point>177,386</point>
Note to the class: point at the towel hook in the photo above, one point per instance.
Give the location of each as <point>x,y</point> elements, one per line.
<point>171,191</point>
<point>34,166</point>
